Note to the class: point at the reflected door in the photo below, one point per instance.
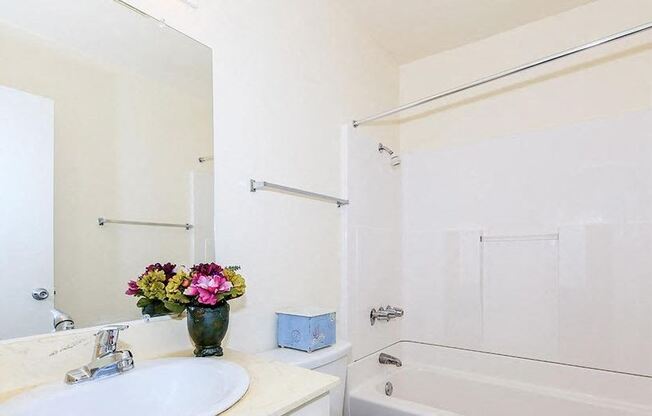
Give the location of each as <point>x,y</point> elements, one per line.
<point>26,212</point>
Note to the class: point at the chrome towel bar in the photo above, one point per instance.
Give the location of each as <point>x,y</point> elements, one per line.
<point>102,221</point>
<point>516,238</point>
<point>262,185</point>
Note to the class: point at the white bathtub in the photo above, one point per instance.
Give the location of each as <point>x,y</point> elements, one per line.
<point>437,381</point>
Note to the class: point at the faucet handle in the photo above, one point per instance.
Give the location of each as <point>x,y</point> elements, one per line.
<point>116,327</point>
<point>106,340</point>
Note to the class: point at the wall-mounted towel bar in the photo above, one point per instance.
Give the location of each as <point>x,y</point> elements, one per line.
<point>204,159</point>
<point>262,185</point>
<point>508,238</point>
<point>101,221</point>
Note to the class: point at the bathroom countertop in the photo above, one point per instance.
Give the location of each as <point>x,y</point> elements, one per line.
<point>275,388</point>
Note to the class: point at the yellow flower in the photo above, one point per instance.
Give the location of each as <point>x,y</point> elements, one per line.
<point>237,281</point>
<point>174,289</point>
<point>153,285</point>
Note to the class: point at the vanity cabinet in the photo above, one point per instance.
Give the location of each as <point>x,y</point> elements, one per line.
<point>318,407</point>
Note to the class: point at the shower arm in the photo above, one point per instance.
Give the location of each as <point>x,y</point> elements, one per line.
<point>383,148</point>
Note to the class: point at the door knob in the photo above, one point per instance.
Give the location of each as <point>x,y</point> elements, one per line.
<point>40,293</point>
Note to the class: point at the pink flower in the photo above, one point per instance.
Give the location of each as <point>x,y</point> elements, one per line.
<point>132,288</point>
<point>207,269</point>
<point>208,288</point>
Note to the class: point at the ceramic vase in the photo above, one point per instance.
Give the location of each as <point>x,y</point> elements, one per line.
<point>207,327</point>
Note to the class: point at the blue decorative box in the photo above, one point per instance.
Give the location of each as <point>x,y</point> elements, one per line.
<point>305,329</point>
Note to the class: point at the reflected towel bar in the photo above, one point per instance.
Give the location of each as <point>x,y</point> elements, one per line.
<point>262,185</point>
<point>101,221</point>
<point>516,238</point>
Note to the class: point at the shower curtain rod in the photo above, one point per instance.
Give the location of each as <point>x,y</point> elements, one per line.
<point>506,73</point>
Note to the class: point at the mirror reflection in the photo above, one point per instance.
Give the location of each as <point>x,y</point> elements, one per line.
<point>100,118</point>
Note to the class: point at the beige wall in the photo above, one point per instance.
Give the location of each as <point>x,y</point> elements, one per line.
<point>125,147</point>
<point>287,75</point>
<point>605,81</point>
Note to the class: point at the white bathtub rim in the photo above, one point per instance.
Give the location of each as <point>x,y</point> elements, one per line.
<point>404,342</point>
<point>376,386</point>
<point>619,387</point>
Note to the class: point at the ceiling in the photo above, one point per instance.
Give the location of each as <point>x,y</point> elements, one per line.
<point>413,29</point>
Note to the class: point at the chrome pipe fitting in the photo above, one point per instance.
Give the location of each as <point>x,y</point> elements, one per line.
<point>385,314</point>
<point>389,360</point>
<point>61,321</point>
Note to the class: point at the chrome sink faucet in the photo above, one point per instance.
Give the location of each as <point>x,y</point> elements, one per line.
<point>106,361</point>
<point>389,359</point>
<point>385,314</point>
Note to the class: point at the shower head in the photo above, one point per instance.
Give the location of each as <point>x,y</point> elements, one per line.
<point>394,160</point>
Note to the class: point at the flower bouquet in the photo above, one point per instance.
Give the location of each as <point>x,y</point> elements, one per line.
<point>150,286</point>
<point>203,291</point>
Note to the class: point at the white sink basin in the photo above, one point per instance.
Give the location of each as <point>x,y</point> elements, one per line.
<point>176,386</point>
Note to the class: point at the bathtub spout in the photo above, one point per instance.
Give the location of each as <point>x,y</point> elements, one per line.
<point>389,359</point>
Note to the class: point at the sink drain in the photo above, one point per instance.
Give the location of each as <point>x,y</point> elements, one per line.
<point>389,388</point>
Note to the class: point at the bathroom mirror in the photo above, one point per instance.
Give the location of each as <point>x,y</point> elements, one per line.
<point>105,112</point>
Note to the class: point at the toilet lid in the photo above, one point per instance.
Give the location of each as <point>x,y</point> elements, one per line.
<point>309,360</point>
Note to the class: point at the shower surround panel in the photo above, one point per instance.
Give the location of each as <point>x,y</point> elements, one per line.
<point>582,294</point>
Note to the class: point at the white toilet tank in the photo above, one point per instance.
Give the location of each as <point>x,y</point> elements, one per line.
<point>331,360</point>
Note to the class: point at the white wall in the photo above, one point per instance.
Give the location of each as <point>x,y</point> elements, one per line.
<point>563,149</point>
<point>287,75</point>
<point>203,212</point>
<point>373,238</point>
<point>125,147</point>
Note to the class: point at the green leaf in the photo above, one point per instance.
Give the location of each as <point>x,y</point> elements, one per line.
<point>142,302</point>
<point>159,308</point>
<point>174,307</point>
